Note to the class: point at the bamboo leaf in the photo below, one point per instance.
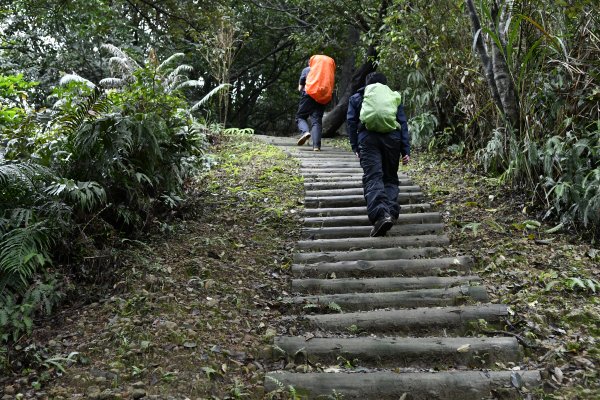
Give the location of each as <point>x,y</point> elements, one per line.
<point>555,229</point>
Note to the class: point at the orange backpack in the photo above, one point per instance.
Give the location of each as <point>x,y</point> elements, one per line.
<point>320,79</point>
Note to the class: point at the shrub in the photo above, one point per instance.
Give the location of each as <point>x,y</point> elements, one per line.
<point>101,160</point>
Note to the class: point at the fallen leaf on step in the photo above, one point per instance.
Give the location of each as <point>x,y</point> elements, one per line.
<point>464,348</point>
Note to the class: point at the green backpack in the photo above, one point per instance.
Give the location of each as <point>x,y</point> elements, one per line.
<point>379,108</point>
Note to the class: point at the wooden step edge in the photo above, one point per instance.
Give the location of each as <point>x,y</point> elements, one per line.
<point>356,191</point>
<point>387,284</point>
<point>344,302</point>
<point>417,321</point>
<point>346,184</point>
<point>363,220</point>
<point>384,385</point>
<point>373,243</point>
<point>404,199</point>
<point>368,255</point>
<point>360,210</point>
<point>346,232</point>
<point>425,352</point>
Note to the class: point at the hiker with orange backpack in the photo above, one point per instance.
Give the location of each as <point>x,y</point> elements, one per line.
<point>316,88</point>
<point>378,133</point>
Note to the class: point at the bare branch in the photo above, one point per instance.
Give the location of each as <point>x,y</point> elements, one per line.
<point>296,18</point>
<point>276,50</point>
<point>170,14</point>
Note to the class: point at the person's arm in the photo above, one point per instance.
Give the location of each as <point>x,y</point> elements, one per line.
<point>404,135</point>
<point>352,121</point>
<point>302,81</point>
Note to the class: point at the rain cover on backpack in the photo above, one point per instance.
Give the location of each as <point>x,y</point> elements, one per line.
<point>320,79</point>
<point>379,108</point>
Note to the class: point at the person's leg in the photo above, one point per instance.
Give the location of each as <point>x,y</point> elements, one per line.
<point>316,119</point>
<point>304,110</point>
<point>390,163</point>
<point>374,191</point>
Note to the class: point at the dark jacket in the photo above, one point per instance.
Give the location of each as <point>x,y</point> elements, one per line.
<point>303,75</point>
<point>356,130</point>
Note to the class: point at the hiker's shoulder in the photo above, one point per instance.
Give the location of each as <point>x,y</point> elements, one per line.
<point>305,72</point>
<point>358,95</point>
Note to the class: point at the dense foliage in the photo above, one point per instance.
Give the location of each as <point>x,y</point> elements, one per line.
<point>95,163</point>
<point>552,53</point>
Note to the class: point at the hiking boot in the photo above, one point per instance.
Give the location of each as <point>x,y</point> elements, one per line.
<point>382,225</point>
<point>304,138</point>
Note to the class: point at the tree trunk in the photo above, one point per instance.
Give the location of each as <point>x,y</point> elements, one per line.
<point>483,53</point>
<point>334,119</point>
<point>496,70</point>
<point>347,68</point>
<point>504,82</point>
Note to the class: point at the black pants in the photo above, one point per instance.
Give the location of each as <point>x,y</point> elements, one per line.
<point>380,158</point>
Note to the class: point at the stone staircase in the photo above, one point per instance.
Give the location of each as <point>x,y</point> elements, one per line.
<point>410,308</point>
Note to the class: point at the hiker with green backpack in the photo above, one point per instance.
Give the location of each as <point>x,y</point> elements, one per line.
<point>378,133</point>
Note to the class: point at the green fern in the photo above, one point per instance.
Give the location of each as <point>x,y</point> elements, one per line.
<point>94,106</point>
<point>20,173</point>
<point>163,66</point>
<point>86,195</point>
<point>20,217</point>
<point>67,78</point>
<point>16,318</point>
<point>22,251</point>
<point>114,157</point>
